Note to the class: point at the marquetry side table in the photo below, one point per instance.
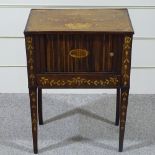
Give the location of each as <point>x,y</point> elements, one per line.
<point>78,48</point>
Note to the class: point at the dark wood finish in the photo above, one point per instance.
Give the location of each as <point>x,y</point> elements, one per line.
<point>72,48</point>
<point>117,106</point>
<point>34,118</point>
<point>40,106</point>
<point>123,112</point>
<point>55,52</point>
<point>78,80</point>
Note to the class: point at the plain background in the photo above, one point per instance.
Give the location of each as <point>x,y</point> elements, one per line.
<point>13,17</point>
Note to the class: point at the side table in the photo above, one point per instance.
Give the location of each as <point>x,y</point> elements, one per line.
<point>78,48</point>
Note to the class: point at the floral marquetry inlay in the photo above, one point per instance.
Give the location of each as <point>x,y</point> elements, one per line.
<point>124,102</point>
<point>78,81</point>
<point>34,109</point>
<point>30,61</point>
<point>78,25</point>
<point>126,60</point>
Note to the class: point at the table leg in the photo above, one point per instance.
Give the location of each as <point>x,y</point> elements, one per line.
<point>40,106</point>
<point>34,117</point>
<point>123,112</point>
<point>117,106</point>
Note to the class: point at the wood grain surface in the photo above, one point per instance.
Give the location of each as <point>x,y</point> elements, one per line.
<point>102,20</point>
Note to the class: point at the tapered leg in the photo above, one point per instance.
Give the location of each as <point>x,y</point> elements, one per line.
<point>117,107</point>
<point>123,112</point>
<point>40,106</point>
<point>34,117</point>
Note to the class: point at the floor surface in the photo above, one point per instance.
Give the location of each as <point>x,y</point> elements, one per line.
<point>77,125</point>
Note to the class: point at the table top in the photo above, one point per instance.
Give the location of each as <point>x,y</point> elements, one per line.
<point>79,20</point>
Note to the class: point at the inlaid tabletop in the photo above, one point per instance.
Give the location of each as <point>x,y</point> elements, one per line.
<point>93,20</point>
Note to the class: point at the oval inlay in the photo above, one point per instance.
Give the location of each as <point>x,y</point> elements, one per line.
<point>78,53</point>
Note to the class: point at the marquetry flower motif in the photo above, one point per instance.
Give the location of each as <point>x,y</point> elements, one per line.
<point>126,61</point>
<point>34,109</point>
<point>123,109</point>
<point>29,45</point>
<point>78,81</point>
<point>78,25</point>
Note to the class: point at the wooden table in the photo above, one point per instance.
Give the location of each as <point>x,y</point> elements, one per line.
<point>78,48</point>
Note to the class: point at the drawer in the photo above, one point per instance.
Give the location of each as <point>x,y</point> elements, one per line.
<point>78,52</point>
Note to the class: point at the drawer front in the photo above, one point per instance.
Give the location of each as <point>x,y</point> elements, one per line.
<point>78,52</point>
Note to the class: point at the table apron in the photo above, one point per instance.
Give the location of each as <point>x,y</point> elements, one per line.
<point>78,80</point>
